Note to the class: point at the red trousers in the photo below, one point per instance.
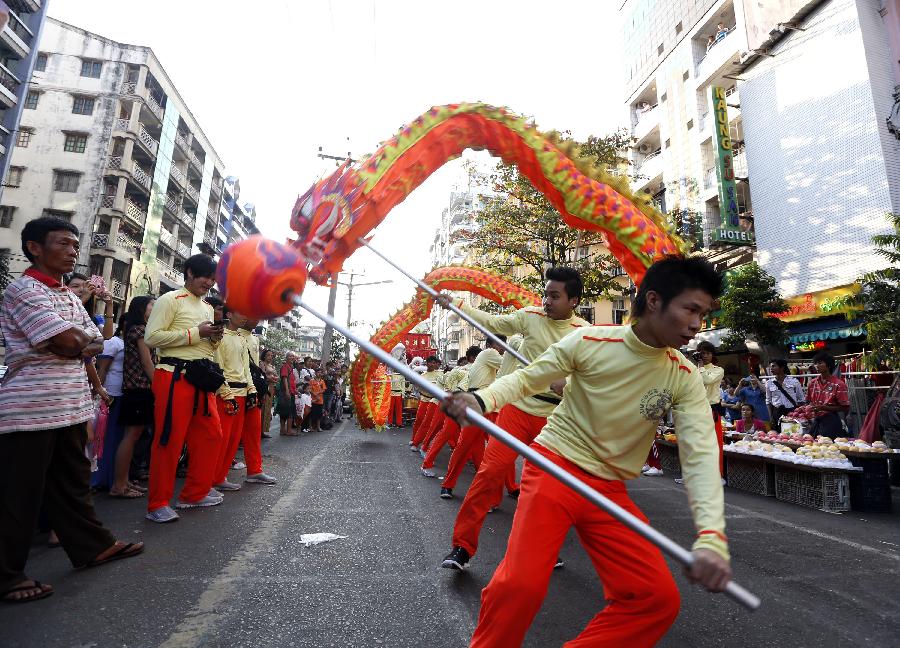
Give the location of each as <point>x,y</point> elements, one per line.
<point>717,420</point>
<point>395,413</point>
<point>237,428</point>
<point>653,457</point>
<point>469,447</point>
<point>420,425</point>
<point>449,433</point>
<point>202,434</point>
<point>437,422</point>
<point>487,487</point>
<point>643,599</point>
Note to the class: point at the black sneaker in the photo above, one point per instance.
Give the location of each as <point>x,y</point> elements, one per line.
<point>457,559</point>
<point>559,563</point>
<point>514,494</point>
<point>446,493</point>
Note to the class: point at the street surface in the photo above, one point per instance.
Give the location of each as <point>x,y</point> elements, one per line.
<point>238,574</point>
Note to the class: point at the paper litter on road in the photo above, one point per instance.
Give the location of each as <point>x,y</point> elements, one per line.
<point>310,539</point>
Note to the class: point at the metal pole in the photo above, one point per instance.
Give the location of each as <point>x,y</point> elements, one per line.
<point>349,307</point>
<point>329,332</point>
<point>673,549</point>
<point>431,291</point>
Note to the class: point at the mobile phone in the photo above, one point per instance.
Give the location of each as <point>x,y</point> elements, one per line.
<point>221,322</point>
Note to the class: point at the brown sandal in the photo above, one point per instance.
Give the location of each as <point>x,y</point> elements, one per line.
<point>126,550</point>
<point>44,593</point>
<point>128,493</point>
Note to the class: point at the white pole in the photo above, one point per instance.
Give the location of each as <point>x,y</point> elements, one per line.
<point>676,551</point>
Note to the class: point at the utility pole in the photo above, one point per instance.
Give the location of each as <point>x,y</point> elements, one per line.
<point>350,286</point>
<point>332,296</point>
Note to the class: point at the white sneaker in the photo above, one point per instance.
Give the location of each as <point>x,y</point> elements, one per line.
<point>428,472</point>
<point>227,486</point>
<point>679,480</point>
<point>413,448</point>
<point>653,472</point>
<point>238,465</point>
<point>645,469</point>
<point>724,483</point>
<point>422,453</point>
<point>162,515</point>
<point>206,501</point>
<point>215,494</point>
<point>261,478</point>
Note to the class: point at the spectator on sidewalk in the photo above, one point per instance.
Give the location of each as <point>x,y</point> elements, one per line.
<point>45,403</point>
<point>110,369</point>
<point>783,392</point>
<point>267,364</point>
<point>316,393</point>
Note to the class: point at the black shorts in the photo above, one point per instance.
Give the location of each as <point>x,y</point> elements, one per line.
<point>137,407</point>
<point>315,414</point>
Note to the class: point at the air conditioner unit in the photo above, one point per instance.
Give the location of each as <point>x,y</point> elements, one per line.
<point>645,148</point>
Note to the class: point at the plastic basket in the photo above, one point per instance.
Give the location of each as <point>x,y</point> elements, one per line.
<point>751,475</point>
<point>870,496</point>
<point>668,459</point>
<point>821,489</point>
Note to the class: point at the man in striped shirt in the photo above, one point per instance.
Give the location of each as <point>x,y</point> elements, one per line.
<point>45,403</point>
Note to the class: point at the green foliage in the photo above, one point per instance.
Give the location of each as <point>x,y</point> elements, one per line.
<point>338,346</point>
<point>879,300</point>
<point>518,226</point>
<point>689,225</point>
<point>748,304</point>
<point>278,341</point>
<point>5,277</point>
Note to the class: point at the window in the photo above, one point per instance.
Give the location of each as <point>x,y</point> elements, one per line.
<point>91,68</point>
<point>690,124</point>
<point>685,75</point>
<point>619,313</point>
<point>584,250</point>
<point>66,181</point>
<point>64,215</point>
<point>663,97</point>
<point>6,216</point>
<point>24,138</point>
<point>587,314</point>
<point>14,178</point>
<point>40,63</point>
<point>31,100</point>
<point>83,106</point>
<point>618,271</point>
<point>678,28</point>
<point>75,143</point>
<point>668,143</point>
<point>660,49</point>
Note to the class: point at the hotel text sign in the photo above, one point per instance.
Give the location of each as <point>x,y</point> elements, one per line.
<point>730,232</point>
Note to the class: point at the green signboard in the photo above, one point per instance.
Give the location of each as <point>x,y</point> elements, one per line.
<point>729,232</point>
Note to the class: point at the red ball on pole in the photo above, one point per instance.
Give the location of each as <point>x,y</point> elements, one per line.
<point>256,277</point>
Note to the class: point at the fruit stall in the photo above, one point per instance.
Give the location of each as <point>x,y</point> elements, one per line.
<point>828,474</point>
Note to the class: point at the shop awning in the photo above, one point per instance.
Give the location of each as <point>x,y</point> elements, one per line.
<point>834,331</point>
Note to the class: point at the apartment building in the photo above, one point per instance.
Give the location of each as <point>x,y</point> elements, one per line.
<point>107,142</point>
<point>18,56</point>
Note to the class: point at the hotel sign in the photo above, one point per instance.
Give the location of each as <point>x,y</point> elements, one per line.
<point>729,232</point>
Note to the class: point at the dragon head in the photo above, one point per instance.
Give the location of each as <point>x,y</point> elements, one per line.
<point>323,214</point>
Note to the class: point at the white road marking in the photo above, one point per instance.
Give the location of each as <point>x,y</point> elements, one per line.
<point>215,600</point>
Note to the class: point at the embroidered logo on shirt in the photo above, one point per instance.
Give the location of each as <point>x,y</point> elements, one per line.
<point>655,403</point>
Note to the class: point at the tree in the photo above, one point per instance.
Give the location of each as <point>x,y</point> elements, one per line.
<point>519,227</point>
<point>279,341</point>
<point>338,346</point>
<point>749,305</point>
<point>879,300</point>
<point>5,277</point>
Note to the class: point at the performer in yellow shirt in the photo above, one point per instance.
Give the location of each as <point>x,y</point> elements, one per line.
<point>712,375</point>
<point>525,417</point>
<point>621,381</point>
<point>449,431</point>
<point>181,329</point>
<point>427,405</point>
<point>470,446</point>
<point>438,418</point>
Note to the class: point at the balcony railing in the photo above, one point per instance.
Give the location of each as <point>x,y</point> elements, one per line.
<point>141,176</point>
<point>119,289</point>
<point>217,187</point>
<point>210,240</point>
<point>193,192</point>
<point>122,124</point>
<point>135,213</point>
<point>187,219</point>
<point>100,240</point>
<point>179,176</point>
<point>128,244</point>
<point>184,250</point>
<point>129,88</point>
<point>154,107</point>
<point>165,236</point>
<point>108,201</point>
<point>195,161</point>
<point>709,178</point>
<point>169,272</point>
<point>114,162</point>
<point>181,140</point>
<point>9,80</point>
<point>213,214</point>
<point>148,139</point>
<point>172,205</point>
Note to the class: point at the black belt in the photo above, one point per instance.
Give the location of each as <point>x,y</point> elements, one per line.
<point>237,385</point>
<point>547,399</point>
<point>179,365</point>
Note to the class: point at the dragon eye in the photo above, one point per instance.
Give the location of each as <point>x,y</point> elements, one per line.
<point>306,209</point>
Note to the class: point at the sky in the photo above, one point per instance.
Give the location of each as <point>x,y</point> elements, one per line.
<point>271,82</point>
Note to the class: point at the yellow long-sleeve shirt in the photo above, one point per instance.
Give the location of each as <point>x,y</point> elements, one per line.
<point>174,327</point>
<point>483,370</point>
<point>454,377</point>
<point>509,363</point>
<point>432,377</point>
<point>252,345</point>
<point>439,381</point>
<point>539,332</point>
<point>712,379</point>
<point>398,385</point>
<point>617,391</point>
<point>232,355</point>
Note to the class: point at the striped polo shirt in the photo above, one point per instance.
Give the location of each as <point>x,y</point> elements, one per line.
<point>41,390</point>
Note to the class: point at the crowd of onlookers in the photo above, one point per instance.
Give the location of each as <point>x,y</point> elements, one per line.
<point>308,397</point>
